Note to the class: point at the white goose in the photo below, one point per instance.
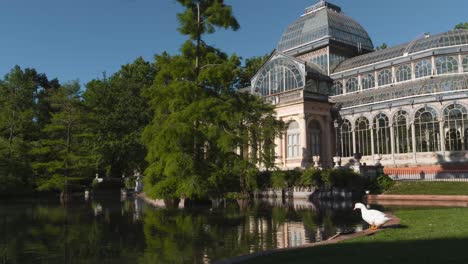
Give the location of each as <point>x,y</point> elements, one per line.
<point>372,217</point>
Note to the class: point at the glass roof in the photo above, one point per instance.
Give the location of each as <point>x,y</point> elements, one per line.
<point>324,20</point>
<point>407,90</point>
<point>450,38</point>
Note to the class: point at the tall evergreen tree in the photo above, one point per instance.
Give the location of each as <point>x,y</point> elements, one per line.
<point>17,101</point>
<point>199,120</point>
<point>62,156</point>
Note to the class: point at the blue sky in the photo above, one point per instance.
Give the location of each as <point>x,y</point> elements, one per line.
<point>80,39</point>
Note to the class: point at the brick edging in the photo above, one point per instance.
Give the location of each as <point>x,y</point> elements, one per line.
<point>404,197</point>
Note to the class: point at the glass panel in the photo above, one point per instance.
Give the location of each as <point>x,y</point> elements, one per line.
<point>381,130</point>
<point>279,75</point>
<point>403,73</point>
<point>427,130</point>
<point>385,77</point>
<point>368,81</point>
<point>338,87</point>
<point>346,137</point>
<point>446,65</point>
<point>352,85</point>
<point>465,64</point>
<point>423,68</point>
<point>363,136</point>
<point>456,122</point>
<point>402,130</point>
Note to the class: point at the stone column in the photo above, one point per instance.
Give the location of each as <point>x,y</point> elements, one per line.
<point>442,135</point>
<point>354,138</point>
<point>392,139</point>
<point>413,136</point>
<point>303,137</point>
<point>372,140</point>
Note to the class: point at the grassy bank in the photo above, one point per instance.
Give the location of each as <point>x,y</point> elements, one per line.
<point>435,188</point>
<point>426,236</point>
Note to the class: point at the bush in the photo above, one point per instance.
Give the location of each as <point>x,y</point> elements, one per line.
<point>311,177</point>
<point>278,180</point>
<point>385,183</point>
<point>342,178</point>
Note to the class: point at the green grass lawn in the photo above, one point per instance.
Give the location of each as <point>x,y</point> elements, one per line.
<point>426,236</point>
<point>435,188</point>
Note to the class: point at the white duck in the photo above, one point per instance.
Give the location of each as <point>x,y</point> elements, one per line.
<point>372,217</point>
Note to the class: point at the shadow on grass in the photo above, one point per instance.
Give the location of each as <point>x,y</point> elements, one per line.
<point>414,252</point>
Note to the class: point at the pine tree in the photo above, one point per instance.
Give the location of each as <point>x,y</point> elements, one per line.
<point>63,156</point>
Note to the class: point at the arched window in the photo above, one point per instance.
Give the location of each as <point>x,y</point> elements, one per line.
<point>338,87</point>
<point>346,136</point>
<point>423,68</point>
<point>455,127</point>
<point>315,138</point>
<point>293,140</point>
<point>402,130</point>
<point>381,130</point>
<point>368,81</point>
<point>277,76</point>
<point>352,85</point>
<point>446,65</point>
<point>363,136</point>
<point>385,77</point>
<point>403,73</point>
<point>427,130</point>
<point>465,64</point>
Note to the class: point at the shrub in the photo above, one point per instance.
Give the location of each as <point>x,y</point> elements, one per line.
<point>311,177</point>
<point>385,182</point>
<point>278,179</point>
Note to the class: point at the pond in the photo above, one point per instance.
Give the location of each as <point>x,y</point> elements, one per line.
<point>107,229</point>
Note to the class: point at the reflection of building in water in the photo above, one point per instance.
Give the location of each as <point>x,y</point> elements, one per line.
<point>291,234</point>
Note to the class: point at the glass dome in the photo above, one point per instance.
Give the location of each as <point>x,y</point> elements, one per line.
<point>324,21</point>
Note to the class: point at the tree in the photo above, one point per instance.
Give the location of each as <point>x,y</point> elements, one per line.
<point>118,113</point>
<point>17,94</point>
<point>202,17</point>
<point>200,121</point>
<point>381,47</point>
<point>63,155</point>
<point>462,26</point>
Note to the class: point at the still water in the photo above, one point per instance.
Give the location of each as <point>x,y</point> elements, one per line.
<point>108,229</point>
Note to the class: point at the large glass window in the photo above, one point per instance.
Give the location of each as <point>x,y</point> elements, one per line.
<point>363,136</point>
<point>346,136</point>
<point>403,73</point>
<point>278,75</point>
<point>293,140</point>
<point>455,127</point>
<point>352,85</point>
<point>381,130</point>
<point>427,130</point>
<point>315,138</point>
<point>402,130</point>
<point>338,87</point>
<point>446,65</point>
<point>368,81</point>
<point>385,77</point>
<point>423,68</point>
<point>465,64</point>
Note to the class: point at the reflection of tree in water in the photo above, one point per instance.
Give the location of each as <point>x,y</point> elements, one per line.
<point>50,234</point>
